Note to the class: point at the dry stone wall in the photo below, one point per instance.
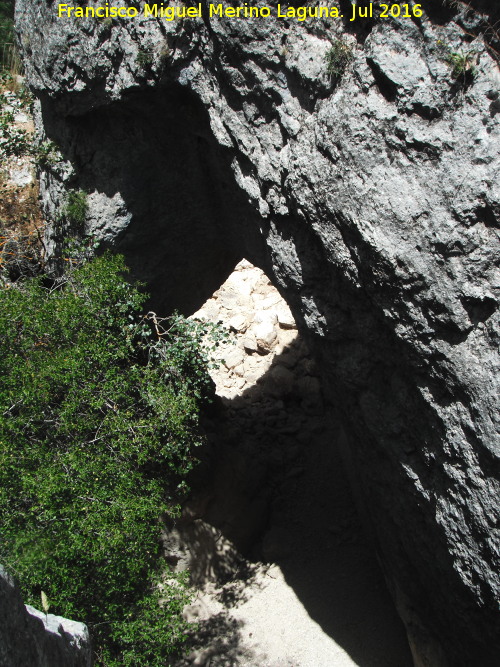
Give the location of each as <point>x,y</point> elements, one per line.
<point>271,407</point>
<point>270,534</point>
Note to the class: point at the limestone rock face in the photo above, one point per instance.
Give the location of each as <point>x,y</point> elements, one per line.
<point>30,637</point>
<point>373,205</point>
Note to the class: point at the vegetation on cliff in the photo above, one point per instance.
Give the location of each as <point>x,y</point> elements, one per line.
<point>99,411</point>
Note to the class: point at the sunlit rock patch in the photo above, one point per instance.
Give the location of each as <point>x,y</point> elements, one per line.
<point>264,339</point>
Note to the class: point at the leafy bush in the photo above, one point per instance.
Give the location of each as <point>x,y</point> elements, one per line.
<point>10,61</point>
<point>47,154</point>
<point>76,207</point>
<point>13,140</point>
<point>21,253</point>
<point>11,82</point>
<point>484,26</point>
<point>338,57</point>
<point>145,57</point>
<point>98,420</point>
<point>6,21</point>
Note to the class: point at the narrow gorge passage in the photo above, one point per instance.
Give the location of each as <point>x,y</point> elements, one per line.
<point>285,574</point>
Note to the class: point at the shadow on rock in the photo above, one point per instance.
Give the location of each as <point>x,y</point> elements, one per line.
<point>272,488</point>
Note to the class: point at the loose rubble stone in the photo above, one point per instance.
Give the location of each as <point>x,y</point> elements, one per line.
<point>238,323</point>
<point>250,343</point>
<point>234,358</point>
<point>265,335</point>
<point>285,317</point>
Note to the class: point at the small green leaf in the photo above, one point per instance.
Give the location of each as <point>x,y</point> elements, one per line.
<point>45,602</point>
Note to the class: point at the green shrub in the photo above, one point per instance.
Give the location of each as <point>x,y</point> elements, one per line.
<point>484,26</point>
<point>145,57</point>
<point>99,412</point>
<point>338,57</point>
<point>10,61</point>
<point>13,140</point>
<point>47,154</point>
<point>107,23</point>
<point>6,21</point>
<point>75,208</point>
<point>21,253</point>
<point>461,65</point>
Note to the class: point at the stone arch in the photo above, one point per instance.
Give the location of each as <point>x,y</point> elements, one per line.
<point>167,194</point>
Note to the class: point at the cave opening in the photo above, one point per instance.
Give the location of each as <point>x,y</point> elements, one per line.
<point>271,535</point>
<point>177,184</point>
<point>271,529</point>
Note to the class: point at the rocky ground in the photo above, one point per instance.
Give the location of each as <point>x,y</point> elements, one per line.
<point>285,575</point>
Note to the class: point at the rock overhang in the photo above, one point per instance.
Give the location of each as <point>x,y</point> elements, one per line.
<point>373,205</point>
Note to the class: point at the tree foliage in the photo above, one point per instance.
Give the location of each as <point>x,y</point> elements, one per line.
<point>6,21</point>
<point>99,415</point>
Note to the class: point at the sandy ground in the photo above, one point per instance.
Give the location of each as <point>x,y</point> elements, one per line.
<point>274,629</point>
<point>320,600</point>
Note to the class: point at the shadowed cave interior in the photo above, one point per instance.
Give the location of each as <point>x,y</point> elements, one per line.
<point>183,223</point>
<point>272,489</point>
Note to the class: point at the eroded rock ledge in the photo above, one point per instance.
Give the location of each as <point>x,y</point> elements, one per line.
<point>373,205</point>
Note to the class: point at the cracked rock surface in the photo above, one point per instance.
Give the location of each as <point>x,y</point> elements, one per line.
<point>373,204</point>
